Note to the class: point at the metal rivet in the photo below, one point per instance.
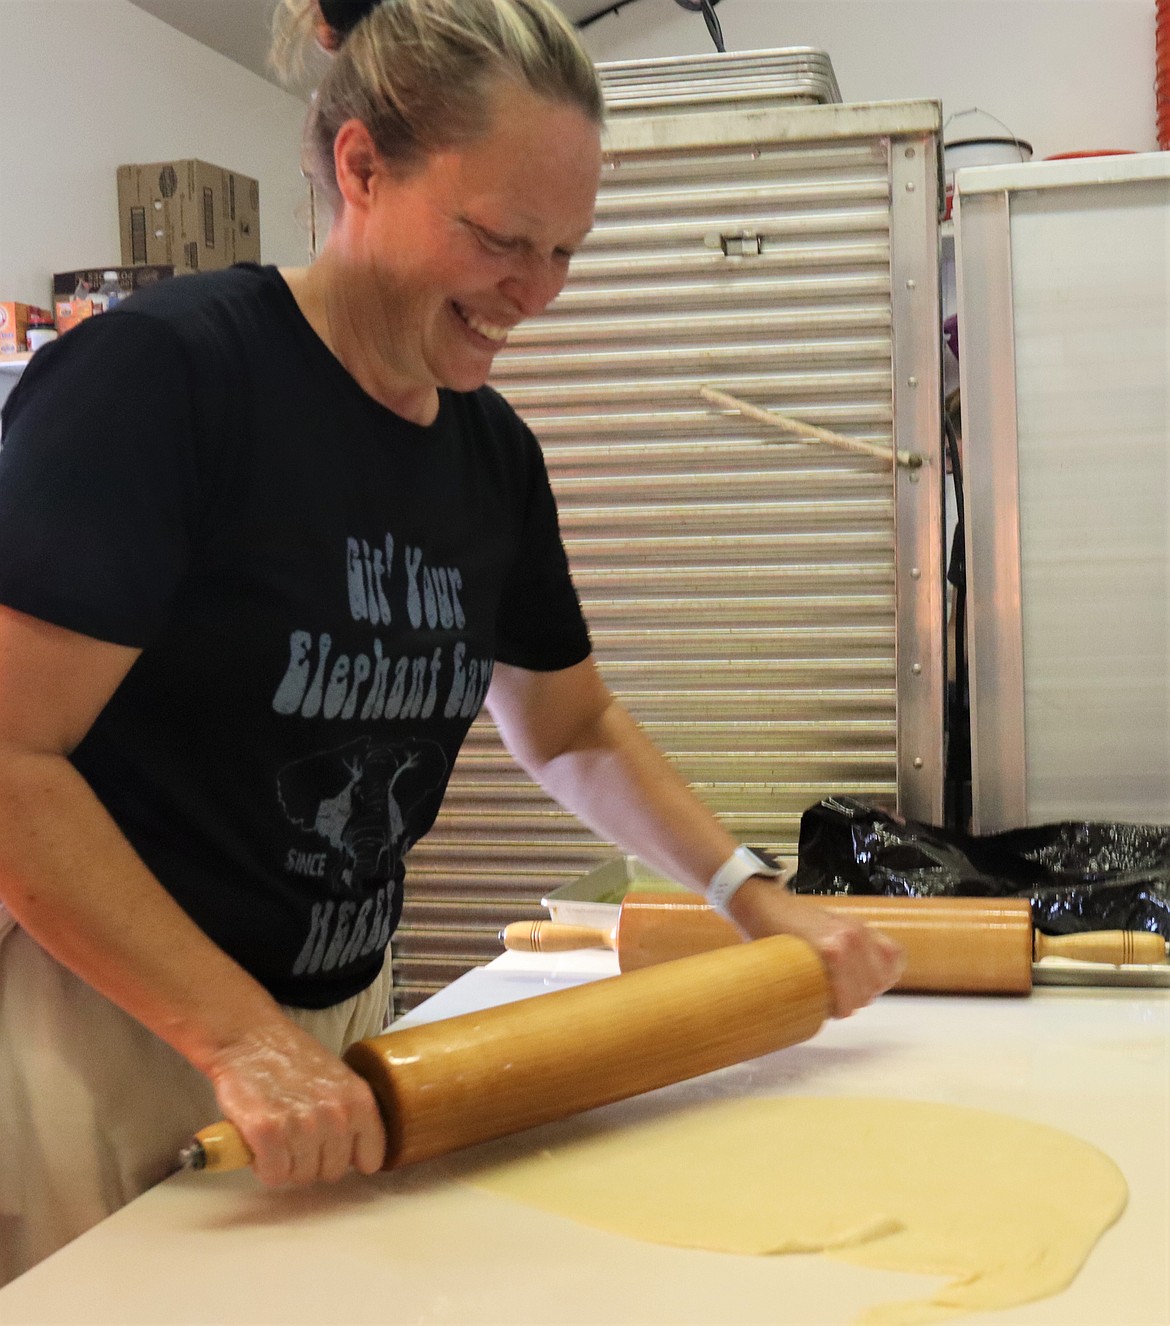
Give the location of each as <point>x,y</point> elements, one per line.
<point>909,186</point>
<point>911,284</point>
<point>912,381</point>
<point>918,761</point>
<point>916,669</point>
<point>910,153</point>
<point>915,572</point>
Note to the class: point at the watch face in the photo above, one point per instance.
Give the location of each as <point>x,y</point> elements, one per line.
<point>766,858</point>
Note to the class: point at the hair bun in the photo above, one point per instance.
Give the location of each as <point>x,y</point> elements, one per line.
<point>343,16</point>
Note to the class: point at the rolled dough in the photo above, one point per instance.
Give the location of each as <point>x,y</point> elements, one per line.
<point>1008,1210</point>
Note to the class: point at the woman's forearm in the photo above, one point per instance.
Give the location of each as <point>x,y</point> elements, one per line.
<point>620,784</point>
<point>73,882</point>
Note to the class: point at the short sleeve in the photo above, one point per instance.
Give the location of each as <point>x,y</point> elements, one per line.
<point>540,625</point>
<point>98,480</point>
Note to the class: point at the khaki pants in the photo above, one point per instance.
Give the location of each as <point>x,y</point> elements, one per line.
<point>93,1107</point>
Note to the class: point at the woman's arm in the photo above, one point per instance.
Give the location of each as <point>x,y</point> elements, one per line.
<point>570,734</point>
<point>74,883</point>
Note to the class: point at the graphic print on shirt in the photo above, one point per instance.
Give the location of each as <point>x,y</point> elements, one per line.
<point>364,815</point>
<point>358,799</point>
<point>319,683</point>
<point>358,806</point>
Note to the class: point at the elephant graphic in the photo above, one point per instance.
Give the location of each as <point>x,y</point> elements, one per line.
<point>370,803</point>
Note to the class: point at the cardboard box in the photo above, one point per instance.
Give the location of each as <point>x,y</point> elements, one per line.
<point>189,214</point>
<point>69,312</point>
<point>14,320</point>
<point>70,302</point>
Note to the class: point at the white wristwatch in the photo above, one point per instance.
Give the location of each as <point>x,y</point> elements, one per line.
<point>739,867</point>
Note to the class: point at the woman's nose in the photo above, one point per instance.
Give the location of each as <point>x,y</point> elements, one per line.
<point>535,283</point>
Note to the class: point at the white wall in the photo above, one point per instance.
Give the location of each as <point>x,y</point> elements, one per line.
<point>1066,75</point>
<point>90,84</point>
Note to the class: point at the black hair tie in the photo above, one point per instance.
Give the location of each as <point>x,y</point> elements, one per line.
<point>344,15</point>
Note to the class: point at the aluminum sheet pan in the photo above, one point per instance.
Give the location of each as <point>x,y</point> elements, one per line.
<point>800,75</point>
<point>1064,971</point>
<point>595,897</point>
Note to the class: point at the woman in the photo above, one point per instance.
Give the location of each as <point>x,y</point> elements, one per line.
<point>265,540</point>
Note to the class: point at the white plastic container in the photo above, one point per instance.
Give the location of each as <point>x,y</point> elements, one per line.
<point>38,336</point>
<point>108,295</point>
<point>993,151</point>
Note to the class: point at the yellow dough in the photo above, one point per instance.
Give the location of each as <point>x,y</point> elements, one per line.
<point>1008,1209</point>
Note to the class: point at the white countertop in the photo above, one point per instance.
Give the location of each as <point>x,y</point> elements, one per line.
<point>419,1246</point>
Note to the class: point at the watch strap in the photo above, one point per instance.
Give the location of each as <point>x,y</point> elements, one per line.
<point>739,867</point>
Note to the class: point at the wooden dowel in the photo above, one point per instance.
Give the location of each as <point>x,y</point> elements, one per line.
<point>810,432</point>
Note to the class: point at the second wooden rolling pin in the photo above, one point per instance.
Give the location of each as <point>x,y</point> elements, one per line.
<point>953,945</point>
<point>467,1079</point>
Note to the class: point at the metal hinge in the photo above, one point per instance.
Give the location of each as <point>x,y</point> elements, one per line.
<point>744,244</point>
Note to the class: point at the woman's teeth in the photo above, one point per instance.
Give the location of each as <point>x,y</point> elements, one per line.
<point>488,329</point>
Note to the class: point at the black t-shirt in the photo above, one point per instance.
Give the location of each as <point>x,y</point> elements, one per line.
<point>319,589</point>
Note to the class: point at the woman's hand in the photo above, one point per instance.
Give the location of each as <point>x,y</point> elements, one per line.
<point>861,962</point>
<point>304,1114</point>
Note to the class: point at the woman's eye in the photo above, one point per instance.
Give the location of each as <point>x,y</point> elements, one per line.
<point>492,242</point>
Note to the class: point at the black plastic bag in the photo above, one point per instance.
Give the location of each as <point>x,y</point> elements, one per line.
<point>1077,876</point>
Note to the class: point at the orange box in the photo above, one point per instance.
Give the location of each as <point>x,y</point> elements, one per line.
<point>14,320</point>
<point>72,311</point>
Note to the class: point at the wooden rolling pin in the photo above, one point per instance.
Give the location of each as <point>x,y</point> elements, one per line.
<point>953,945</point>
<point>467,1079</point>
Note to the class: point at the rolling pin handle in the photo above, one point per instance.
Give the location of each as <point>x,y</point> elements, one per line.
<point>1118,947</point>
<point>553,937</point>
<point>216,1148</point>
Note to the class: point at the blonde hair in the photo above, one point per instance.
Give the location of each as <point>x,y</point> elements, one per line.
<point>420,74</point>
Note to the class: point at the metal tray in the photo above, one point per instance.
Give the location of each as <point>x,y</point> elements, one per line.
<point>800,75</point>
<point>1065,971</point>
<point>595,898</point>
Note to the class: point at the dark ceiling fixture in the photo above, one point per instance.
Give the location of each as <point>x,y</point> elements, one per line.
<point>707,9</point>
<point>704,7</point>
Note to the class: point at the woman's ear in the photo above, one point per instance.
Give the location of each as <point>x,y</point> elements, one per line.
<point>327,39</point>
<point>355,161</point>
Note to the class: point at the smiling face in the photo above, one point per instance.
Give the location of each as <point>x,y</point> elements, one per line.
<point>476,239</point>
